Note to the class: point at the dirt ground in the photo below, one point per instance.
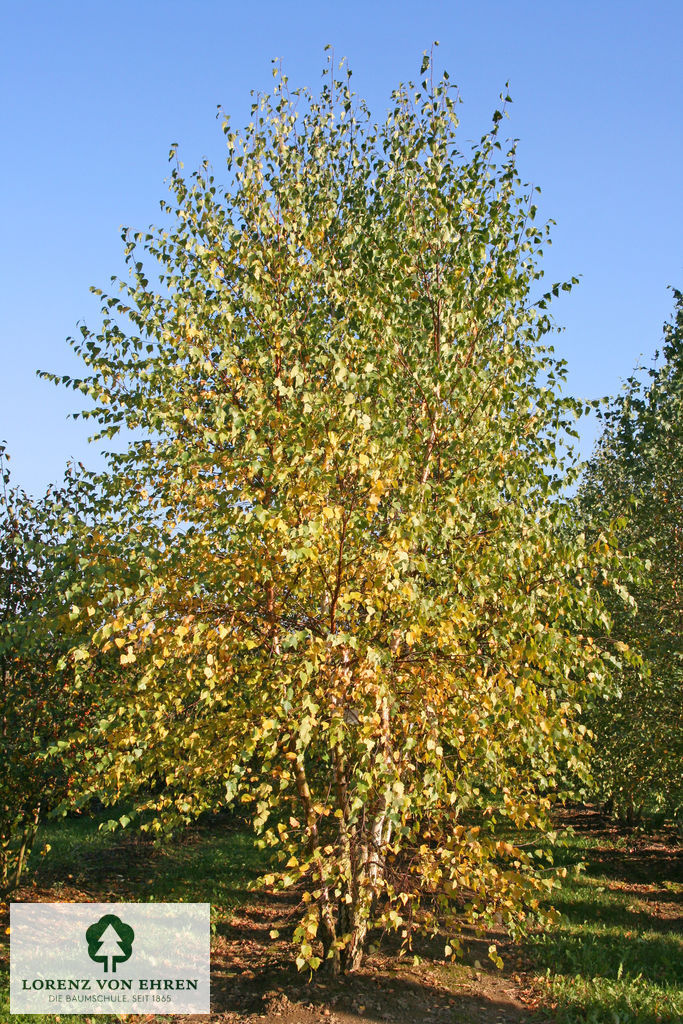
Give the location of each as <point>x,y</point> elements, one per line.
<point>253,979</point>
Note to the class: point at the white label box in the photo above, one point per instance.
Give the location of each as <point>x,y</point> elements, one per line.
<point>110,958</point>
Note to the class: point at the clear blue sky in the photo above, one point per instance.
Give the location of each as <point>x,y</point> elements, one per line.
<point>94,93</point>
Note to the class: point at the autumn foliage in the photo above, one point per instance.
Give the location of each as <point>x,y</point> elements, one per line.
<point>336,566</point>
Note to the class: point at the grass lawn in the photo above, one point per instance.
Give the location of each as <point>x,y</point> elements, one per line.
<point>74,861</point>
<point>615,957</point>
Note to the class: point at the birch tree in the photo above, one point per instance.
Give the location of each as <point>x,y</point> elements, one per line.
<point>349,600</point>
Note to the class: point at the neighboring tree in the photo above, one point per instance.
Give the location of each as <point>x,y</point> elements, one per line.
<point>39,704</point>
<point>636,478</point>
<point>351,598</point>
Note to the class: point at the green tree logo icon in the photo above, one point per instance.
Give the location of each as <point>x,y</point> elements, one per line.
<point>110,941</point>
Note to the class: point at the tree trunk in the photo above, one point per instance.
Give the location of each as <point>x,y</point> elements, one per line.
<point>27,840</point>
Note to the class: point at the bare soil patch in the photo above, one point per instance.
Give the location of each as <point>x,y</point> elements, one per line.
<point>253,978</point>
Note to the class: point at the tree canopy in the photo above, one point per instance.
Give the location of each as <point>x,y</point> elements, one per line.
<point>336,563</point>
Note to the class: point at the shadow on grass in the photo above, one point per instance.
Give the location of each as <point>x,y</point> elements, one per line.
<point>643,865</point>
<point>617,954</point>
<point>585,912</point>
<point>210,863</point>
<point>608,954</point>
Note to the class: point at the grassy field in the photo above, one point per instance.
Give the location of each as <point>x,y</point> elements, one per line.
<point>615,957</point>
<point>74,861</point>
